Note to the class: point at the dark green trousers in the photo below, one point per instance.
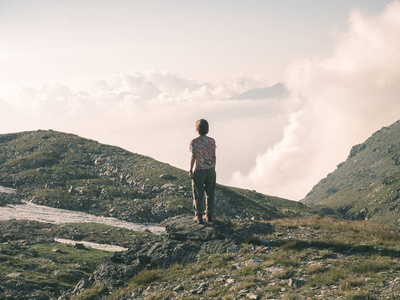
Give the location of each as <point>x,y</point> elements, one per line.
<point>203,183</point>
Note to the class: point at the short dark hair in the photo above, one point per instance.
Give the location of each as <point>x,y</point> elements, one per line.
<point>202,126</point>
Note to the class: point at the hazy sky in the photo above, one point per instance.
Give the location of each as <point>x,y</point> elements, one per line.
<point>47,41</point>
<point>138,74</point>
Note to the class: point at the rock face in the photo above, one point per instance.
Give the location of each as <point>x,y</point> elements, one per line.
<point>366,186</point>
<point>185,242</point>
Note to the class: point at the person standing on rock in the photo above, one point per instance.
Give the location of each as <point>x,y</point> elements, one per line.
<point>203,177</point>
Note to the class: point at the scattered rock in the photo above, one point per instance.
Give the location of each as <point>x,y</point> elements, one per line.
<point>194,291</point>
<point>185,242</point>
<point>14,275</point>
<point>80,246</point>
<point>168,176</point>
<point>82,284</point>
<point>296,282</point>
<point>252,296</point>
<point>178,288</point>
<point>168,186</point>
<point>274,269</point>
<point>251,261</point>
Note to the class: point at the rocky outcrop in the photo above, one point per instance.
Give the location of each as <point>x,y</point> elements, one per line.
<point>185,242</point>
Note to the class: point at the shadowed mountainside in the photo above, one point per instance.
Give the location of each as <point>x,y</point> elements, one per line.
<point>367,184</point>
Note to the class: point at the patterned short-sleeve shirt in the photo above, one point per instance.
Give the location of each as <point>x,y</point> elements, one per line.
<point>203,147</point>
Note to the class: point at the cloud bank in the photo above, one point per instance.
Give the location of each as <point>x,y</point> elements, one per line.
<point>154,113</point>
<point>335,102</point>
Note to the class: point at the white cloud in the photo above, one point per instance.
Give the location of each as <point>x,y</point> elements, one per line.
<point>154,113</point>
<point>335,102</point>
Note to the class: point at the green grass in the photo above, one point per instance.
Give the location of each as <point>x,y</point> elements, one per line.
<point>352,282</point>
<point>360,295</point>
<point>323,261</point>
<point>328,277</point>
<point>251,239</point>
<point>145,277</point>
<point>373,265</point>
<point>247,271</point>
<point>42,267</point>
<point>34,160</point>
<point>52,195</point>
<point>92,293</point>
<point>344,233</point>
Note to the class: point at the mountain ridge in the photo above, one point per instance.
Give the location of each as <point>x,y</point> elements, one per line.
<point>367,184</point>
<point>277,91</point>
<point>67,171</point>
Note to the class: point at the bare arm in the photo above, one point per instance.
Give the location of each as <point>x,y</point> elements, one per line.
<point>192,161</point>
<point>214,158</point>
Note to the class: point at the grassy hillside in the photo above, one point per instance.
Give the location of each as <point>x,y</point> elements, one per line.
<point>66,171</point>
<point>367,184</point>
<point>311,258</point>
<point>34,266</point>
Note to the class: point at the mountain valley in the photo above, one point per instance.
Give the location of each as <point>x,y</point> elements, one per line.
<point>258,247</point>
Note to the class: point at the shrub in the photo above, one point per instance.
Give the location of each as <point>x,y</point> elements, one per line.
<point>315,269</point>
<point>329,277</point>
<point>145,277</point>
<point>372,266</point>
<point>351,282</point>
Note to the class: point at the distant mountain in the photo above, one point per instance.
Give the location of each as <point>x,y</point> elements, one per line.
<point>276,91</point>
<point>367,184</point>
<point>66,171</point>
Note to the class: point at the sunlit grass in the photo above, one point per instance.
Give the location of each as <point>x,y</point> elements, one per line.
<point>145,277</point>
<point>91,293</point>
<point>352,282</point>
<point>339,260</point>
<point>339,232</point>
<point>373,265</point>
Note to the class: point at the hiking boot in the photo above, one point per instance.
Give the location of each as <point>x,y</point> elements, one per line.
<point>207,218</point>
<point>198,219</point>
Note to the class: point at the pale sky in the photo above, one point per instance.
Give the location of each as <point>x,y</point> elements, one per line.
<point>138,74</point>
<point>46,41</point>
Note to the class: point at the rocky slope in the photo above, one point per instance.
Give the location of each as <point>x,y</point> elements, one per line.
<point>311,258</point>
<point>294,259</point>
<point>66,171</point>
<point>34,266</point>
<point>367,184</point>
<point>186,242</point>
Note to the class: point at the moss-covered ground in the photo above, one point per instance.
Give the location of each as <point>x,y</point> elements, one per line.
<point>32,265</point>
<point>45,269</point>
